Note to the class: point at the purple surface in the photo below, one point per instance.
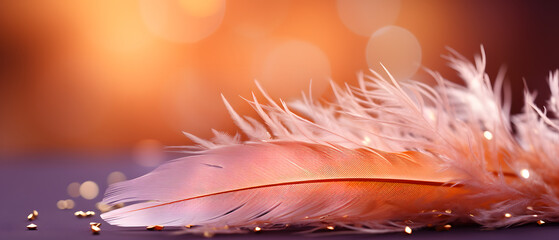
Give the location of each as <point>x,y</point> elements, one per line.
<point>29,184</point>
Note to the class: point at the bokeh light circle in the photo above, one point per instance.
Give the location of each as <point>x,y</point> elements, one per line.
<point>185,21</point>
<point>397,49</point>
<point>89,190</point>
<point>364,17</point>
<point>289,68</point>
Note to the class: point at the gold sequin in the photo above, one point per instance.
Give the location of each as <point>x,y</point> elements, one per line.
<point>541,222</point>
<point>80,214</point>
<point>90,213</point>
<point>154,228</point>
<point>407,230</point>
<point>31,217</point>
<point>95,224</point>
<point>32,226</point>
<point>95,229</point>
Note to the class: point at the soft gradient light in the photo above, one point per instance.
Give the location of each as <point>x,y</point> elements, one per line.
<point>182,21</point>
<point>289,68</point>
<point>397,49</point>
<point>364,17</point>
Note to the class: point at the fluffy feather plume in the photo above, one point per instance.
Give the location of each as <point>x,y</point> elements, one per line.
<point>382,156</point>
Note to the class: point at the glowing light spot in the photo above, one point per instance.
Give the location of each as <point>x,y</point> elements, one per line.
<point>61,204</point>
<point>364,17</point>
<point>447,227</point>
<point>448,211</point>
<point>73,189</point>
<point>508,215</point>
<point>407,230</point>
<point>525,173</point>
<point>541,222</point>
<point>115,177</point>
<point>89,190</point>
<point>185,21</point>
<point>198,8</point>
<point>488,135</point>
<point>70,204</point>
<point>257,229</point>
<point>289,68</point>
<point>102,207</point>
<point>366,141</point>
<point>330,227</point>
<point>148,153</point>
<point>397,49</point>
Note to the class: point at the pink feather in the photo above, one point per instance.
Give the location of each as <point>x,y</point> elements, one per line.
<point>384,155</point>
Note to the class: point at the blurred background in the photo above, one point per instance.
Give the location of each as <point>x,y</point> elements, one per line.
<point>103,76</point>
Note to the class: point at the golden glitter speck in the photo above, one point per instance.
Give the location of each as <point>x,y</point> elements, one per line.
<point>330,227</point>
<point>90,213</point>
<point>32,226</point>
<point>508,215</point>
<point>89,190</point>
<point>94,224</point>
<point>525,173</point>
<point>541,222</point>
<point>95,229</point>
<point>154,228</point>
<point>35,213</point>
<point>257,229</point>
<point>31,217</point>
<point>407,230</point>
<point>488,135</point>
<point>447,227</point>
<point>80,214</point>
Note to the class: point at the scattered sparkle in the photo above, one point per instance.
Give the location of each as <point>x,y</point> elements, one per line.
<point>95,224</point>
<point>154,228</point>
<point>366,141</point>
<point>257,229</point>
<point>32,226</point>
<point>535,215</point>
<point>330,227</point>
<point>525,173</point>
<point>488,135</point>
<point>35,213</point>
<point>90,213</point>
<point>541,222</point>
<point>95,229</point>
<point>407,230</point>
<point>31,217</point>
<point>80,214</point>
<point>508,215</point>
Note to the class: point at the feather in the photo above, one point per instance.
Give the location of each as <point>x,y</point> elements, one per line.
<point>384,155</point>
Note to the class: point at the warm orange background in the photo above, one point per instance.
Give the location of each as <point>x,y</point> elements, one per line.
<point>92,76</point>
